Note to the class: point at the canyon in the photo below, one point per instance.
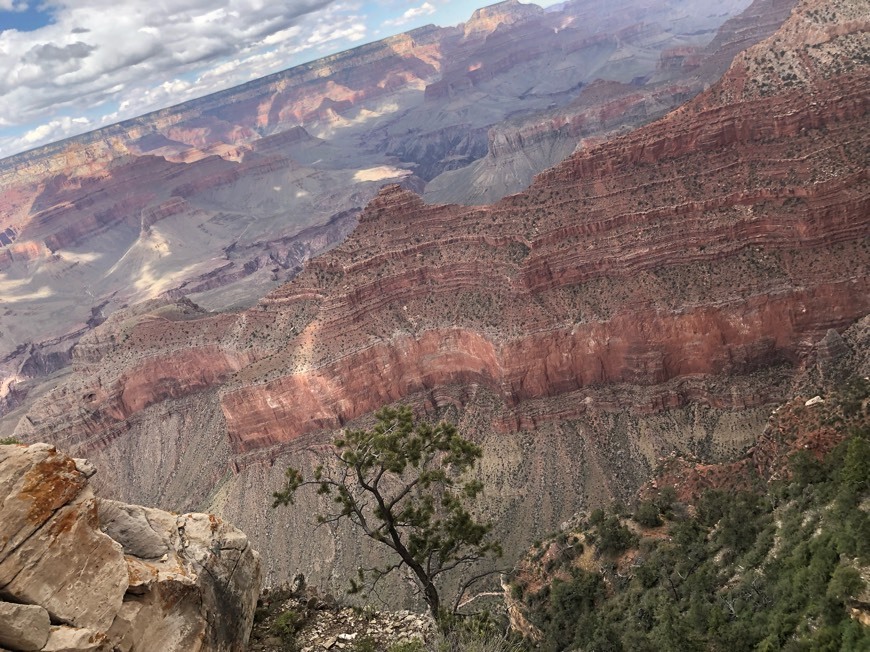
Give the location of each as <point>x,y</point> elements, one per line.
<point>224,198</point>
<point>656,293</point>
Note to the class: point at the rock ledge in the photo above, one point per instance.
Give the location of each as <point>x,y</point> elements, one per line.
<point>79,573</point>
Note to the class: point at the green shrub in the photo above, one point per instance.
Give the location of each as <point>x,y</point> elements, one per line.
<point>478,641</point>
<point>647,514</point>
<point>596,517</point>
<point>614,537</point>
<point>287,624</point>
<point>407,646</point>
<point>712,583</point>
<point>711,506</point>
<point>365,644</point>
<point>665,500</point>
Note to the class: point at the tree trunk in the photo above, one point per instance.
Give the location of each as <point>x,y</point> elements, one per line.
<point>430,594</point>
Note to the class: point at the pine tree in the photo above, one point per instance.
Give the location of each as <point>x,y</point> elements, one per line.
<point>401,483</point>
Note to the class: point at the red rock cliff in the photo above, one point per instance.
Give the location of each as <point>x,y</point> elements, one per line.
<point>723,238</point>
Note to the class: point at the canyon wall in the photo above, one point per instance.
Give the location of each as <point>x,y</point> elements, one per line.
<point>224,198</point>
<point>619,101</point>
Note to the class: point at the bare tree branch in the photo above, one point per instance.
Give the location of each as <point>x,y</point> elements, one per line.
<point>457,603</point>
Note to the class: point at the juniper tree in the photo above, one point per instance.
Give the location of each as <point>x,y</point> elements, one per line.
<point>402,483</point>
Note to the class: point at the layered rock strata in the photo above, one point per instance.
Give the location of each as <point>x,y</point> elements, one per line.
<point>829,399</point>
<point>225,197</point>
<point>521,148</point>
<point>81,573</point>
<point>653,293</point>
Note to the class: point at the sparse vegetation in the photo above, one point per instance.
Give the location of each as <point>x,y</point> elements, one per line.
<point>773,570</point>
<point>287,624</point>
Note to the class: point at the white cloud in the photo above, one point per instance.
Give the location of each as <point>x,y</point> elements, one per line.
<point>353,32</point>
<point>283,35</point>
<point>13,5</point>
<point>51,131</point>
<point>426,9</point>
<point>56,129</point>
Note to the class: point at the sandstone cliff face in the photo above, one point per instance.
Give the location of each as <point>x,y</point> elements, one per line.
<point>83,573</point>
<point>487,19</point>
<point>812,421</point>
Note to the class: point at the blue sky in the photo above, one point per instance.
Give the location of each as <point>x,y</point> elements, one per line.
<point>70,66</point>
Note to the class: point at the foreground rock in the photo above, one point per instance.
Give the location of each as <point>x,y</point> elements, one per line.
<point>83,573</point>
<point>23,626</point>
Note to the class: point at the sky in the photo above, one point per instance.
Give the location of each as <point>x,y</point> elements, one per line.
<point>71,66</point>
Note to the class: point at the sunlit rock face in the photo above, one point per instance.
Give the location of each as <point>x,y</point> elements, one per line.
<point>655,292</point>
<point>224,198</point>
<point>79,572</point>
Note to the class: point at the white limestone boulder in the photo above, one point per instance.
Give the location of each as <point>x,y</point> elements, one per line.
<point>23,627</point>
<point>111,575</point>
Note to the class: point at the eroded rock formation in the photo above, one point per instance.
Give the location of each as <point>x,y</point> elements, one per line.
<point>81,573</point>
<point>224,198</point>
<point>622,99</point>
<point>807,422</point>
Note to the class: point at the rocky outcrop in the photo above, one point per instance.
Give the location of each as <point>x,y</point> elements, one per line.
<point>487,19</point>
<point>81,573</point>
<point>24,626</point>
<point>314,622</point>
